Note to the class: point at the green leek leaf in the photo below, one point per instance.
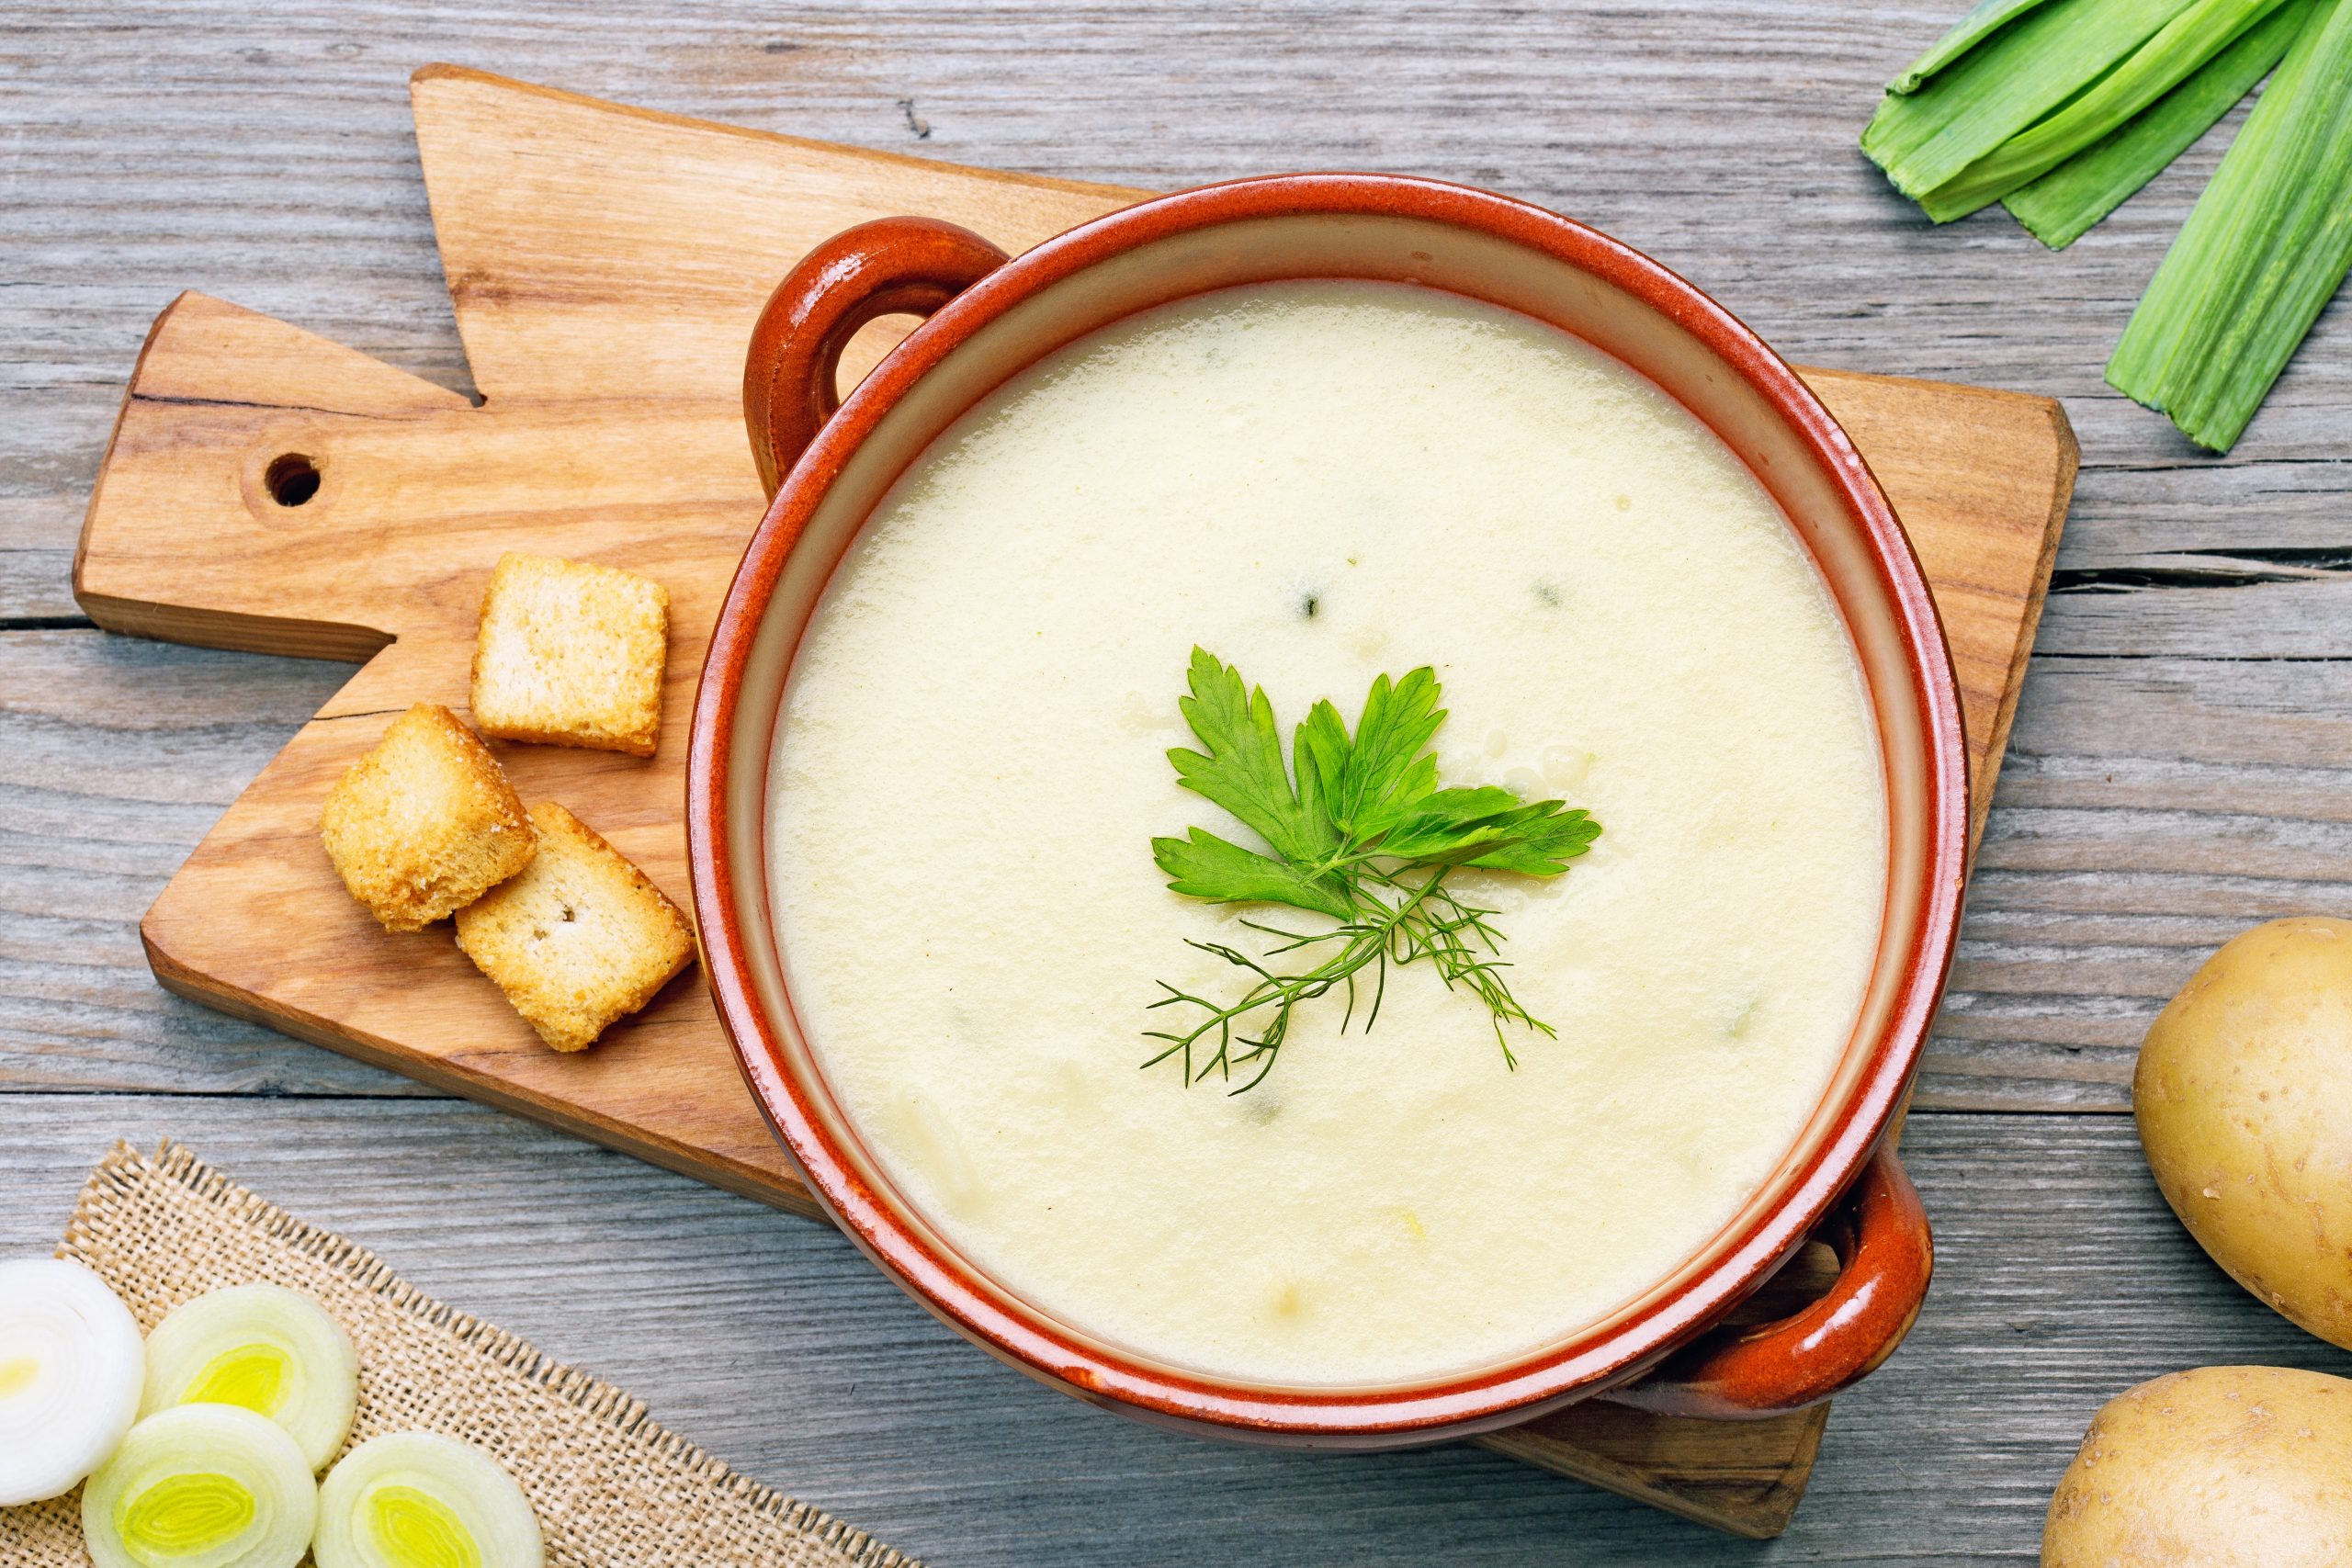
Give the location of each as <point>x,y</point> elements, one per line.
<point>2268,243</point>
<point>1989,18</point>
<point>2062,206</point>
<point>2014,78</point>
<point>2183,44</point>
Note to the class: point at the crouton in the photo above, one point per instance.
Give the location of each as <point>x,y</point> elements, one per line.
<point>425,823</point>
<point>580,938</point>
<point>570,654</point>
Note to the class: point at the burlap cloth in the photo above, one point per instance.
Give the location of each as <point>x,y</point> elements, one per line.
<point>611,1489</point>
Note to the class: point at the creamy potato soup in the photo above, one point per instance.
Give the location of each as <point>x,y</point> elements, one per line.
<point>1320,483</point>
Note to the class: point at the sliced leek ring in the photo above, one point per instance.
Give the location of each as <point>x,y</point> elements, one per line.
<point>201,1486</point>
<point>263,1349</point>
<point>69,1371</point>
<point>420,1500</point>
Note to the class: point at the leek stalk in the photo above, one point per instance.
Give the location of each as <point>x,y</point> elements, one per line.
<point>2061,207</point>
<point>2149,72</point>
<point>2267,244</point>
<point>2004,84</point>
<point>1989,18</point>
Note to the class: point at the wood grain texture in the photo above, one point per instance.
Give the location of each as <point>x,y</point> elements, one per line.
<point>2178,769</point>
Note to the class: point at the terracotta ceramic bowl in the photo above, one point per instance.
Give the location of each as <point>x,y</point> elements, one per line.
<point>989,318</point>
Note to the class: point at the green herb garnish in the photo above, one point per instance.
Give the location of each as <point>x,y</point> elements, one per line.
<point>1361,833</point>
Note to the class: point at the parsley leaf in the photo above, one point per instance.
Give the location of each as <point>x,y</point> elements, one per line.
<point>1384,770</point>
<point>1242,767</point>
<point>1452,826</point>
<point>1550,842</point>
<point>1206,866</point>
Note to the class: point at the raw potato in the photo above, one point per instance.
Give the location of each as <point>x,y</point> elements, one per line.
<point>2243,1095</point>
<point>2224,1467</point>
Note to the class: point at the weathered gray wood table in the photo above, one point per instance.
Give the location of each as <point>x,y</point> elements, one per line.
<point>2182,764</point>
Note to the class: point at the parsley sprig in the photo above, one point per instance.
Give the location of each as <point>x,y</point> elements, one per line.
<point>1359,833</point>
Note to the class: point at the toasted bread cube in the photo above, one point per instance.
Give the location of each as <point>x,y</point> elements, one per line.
<point>425,823</point>
<point>570,654</point>
<point>582,938</point>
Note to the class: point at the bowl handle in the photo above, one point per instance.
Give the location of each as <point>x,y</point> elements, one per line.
<point>1878,1230</point>
<point>891,266</point>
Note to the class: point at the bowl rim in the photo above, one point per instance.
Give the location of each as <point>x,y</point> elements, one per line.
<point>1582,1363</point>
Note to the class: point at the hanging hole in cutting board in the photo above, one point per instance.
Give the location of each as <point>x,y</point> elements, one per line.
<point>291,479</point>
<point>867,347</point>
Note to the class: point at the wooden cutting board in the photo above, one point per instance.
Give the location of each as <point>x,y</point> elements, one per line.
<point>270,491</point>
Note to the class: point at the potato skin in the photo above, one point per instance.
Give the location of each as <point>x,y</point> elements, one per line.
<point>2244,1097</point>
<point>2224,1467</point>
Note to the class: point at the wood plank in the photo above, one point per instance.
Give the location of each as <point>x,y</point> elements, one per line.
<point>2305,615</point>
<point>795,1362</point>
<point>1705,133</point>
<point>2150,809</point>
<point>1935,461</point>
<point>116,755</point>
<point>1745,1483</point>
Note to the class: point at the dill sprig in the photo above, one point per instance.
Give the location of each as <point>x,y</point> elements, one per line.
<point>1359,833</point>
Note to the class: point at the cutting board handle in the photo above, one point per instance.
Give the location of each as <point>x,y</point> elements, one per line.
<point>246,497</point>
<point>892,267</point>
<point>1879,1229</point>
